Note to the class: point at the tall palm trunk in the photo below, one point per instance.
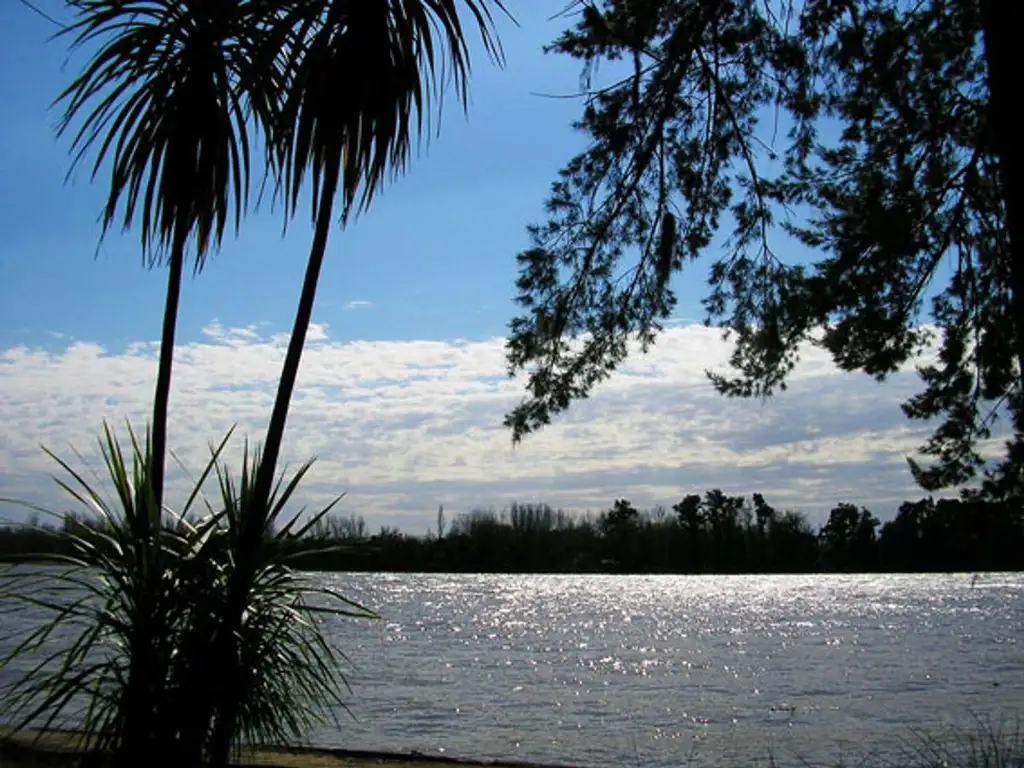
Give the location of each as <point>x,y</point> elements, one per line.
<point>290,371</point>
<point>1002,22</point>
<point>163,376</point>
<point>256,508</point>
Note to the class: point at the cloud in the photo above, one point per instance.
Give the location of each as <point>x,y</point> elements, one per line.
<point>406,425</point>
<point>359,304</point>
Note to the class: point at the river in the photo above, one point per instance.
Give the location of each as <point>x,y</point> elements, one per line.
<point>660,671</point>
<point>673,670</point>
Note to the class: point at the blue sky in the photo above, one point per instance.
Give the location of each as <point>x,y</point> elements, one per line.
<point>401,393</point>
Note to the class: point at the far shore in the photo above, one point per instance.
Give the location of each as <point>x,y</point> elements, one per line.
<point>56,748</point>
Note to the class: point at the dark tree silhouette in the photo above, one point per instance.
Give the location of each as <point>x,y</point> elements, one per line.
<point>913,204</point>
<point>848,539</point>
<point>925,535</point>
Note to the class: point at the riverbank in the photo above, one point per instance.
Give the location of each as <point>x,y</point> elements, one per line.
<point>55,749</point>
<point>985,745</point>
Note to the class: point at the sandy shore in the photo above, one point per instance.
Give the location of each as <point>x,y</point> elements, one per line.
<point>34,749</point>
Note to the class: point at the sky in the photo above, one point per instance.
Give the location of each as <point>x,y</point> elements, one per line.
<point>403,388</point>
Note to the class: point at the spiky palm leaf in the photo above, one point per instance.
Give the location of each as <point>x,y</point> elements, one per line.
<point>272,673</point>
<point>114,602</point>
<point>138,592</point>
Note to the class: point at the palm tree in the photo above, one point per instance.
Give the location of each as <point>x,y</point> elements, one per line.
<point>356,73</point>
<point>168,98</point>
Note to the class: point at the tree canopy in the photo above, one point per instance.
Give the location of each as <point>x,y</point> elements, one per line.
<point>874,132</point>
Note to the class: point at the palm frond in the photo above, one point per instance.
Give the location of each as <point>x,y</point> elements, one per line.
<point>358,75</point>
<point>168,99</point>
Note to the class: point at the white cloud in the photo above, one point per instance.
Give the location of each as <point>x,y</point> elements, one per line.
<point>359,304</point>
<point>403,426</point>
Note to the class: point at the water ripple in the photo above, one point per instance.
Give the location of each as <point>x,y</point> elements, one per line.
<point>602,670</point>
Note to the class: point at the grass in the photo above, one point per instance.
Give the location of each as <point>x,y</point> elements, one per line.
<point>985,745</point>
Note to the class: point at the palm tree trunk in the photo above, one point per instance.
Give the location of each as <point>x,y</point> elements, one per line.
<point>1002,21</point>
<point>163,376</point>
<point>257,505</point>
<point>275,432</point>
<point>140,724</point>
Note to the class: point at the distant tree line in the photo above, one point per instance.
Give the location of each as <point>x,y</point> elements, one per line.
<point>713,533</point>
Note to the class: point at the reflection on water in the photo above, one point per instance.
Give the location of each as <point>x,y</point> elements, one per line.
<point>607,669</point>
<point>671,670</point>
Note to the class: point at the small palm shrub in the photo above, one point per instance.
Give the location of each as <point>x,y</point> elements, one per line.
<point>172,637</point>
